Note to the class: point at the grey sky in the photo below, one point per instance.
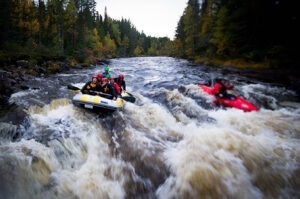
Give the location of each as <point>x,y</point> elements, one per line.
<point>156,18</point>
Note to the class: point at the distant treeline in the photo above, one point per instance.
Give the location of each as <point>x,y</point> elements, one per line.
<point>221,32</point>
<point>258,31</point>
<point>71,28</point>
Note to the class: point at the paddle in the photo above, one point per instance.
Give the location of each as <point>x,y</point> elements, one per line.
<point>129,98</point>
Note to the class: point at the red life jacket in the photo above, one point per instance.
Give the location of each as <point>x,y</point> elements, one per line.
<point>117,88</point>
<point>216,88</point>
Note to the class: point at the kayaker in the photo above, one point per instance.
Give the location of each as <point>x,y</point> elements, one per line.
<point>106,72</point>
<point>91,86</point>
<point>220,88</point>
<point>107,89</point>
<point>121,82</point>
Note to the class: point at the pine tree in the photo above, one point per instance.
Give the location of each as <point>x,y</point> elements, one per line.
<point>188,29</point>
<point>70,20</point>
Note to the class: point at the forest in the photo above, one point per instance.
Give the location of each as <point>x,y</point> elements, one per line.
<point>39,30</point>
<point>214,32</point>
<point>238,32</point>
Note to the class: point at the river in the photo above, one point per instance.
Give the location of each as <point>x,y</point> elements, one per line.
<point>171,143</point>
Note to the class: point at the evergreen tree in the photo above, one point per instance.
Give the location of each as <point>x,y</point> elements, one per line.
<point>179,39</point>
<point>70,27</point>
<point>115,32</point>
<point>8,23</point>
<point>41,20</point>
<point>191,27</point>
<point>70,20</point>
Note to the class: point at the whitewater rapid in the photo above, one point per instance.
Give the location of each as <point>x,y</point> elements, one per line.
<point>171,143</point>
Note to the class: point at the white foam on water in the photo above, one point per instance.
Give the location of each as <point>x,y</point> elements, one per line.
<point>227,158</point>
<point>78,164</point>
<point>17,97</point>
<point>197,152</point>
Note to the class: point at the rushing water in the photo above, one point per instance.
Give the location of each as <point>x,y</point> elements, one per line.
<point>170,144</point>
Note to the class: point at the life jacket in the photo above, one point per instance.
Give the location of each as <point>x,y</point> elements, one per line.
<point>217,88</point>
<point>108,89</point>
<point>220,89</point>
<point>105,74</point>
<point>91,86</point>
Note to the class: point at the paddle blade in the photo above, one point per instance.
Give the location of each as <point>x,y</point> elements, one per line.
<point>71,87</point>
<point>129,97</point>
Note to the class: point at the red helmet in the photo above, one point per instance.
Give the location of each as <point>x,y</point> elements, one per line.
<point>99,75</point>
<point>104,79</point>
<point>94,76</point>
<point>121,76</point>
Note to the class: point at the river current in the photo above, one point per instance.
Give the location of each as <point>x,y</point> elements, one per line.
<point>171,143</point>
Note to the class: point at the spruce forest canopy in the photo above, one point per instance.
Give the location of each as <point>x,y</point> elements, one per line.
<point>209,31</point>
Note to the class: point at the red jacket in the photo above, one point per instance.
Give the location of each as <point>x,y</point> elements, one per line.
<point>117,88</point>
<point>221,88</point>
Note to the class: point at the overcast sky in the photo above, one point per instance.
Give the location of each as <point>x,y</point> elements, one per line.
<point>157,18</point>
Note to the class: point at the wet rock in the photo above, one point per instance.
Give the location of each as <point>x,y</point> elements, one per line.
<point>14,115</point>
<point>23,63</point>
<point>13,123</point>
<point>6,88</point>
<point>8,131</point>
<point>40,69</point>
<point>11,82</point>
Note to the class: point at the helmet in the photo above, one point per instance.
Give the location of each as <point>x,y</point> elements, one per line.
<point>104,79</point>
<point>99,75</point>
<point>106,69</point>
<point>108,76</point>
<point>94,76</point>
<point>121,76</point>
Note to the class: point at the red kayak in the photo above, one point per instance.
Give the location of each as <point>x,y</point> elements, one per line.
<point>234,102</point>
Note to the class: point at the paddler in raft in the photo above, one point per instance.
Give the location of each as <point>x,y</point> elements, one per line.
<point>107,89</point>
<point>99,86</point>
<point>91,87</point>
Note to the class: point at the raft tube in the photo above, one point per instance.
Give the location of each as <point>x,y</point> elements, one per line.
<point>96,102</point>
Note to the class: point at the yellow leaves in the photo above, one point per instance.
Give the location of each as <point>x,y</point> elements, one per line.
<point>138,51</point>
<point>98,45</point>
<point>109,46</point>
<point>27,20</point>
